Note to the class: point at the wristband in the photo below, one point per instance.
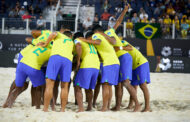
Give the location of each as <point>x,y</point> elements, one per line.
<point>121,48</point>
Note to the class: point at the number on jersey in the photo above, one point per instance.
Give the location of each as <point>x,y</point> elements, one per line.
<point>39,50</point>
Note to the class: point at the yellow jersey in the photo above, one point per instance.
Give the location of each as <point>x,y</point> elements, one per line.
<point>63,46</point>
<point>111,33</point>
<point>89,55</point>
<point>42,38</point>
<point>36,57</point>
<point>138,58</point>
<point>167,21</point>
<point>25,50</point>
<point>105,50</point>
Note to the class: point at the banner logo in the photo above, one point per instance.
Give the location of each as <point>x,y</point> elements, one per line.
<point>165,64</point>
<point>166,51</point>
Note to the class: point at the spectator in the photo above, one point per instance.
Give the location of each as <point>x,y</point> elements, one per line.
<point>135,19</point>
<point>176,22</point>
<point>31,10</point>
<point>144,20</point>
<point>184,19</point>
<point>167,23</point>
<point>96,18</point>
<point>129,27</point>
<point>170,10</point>
<point>152,20</point>
<point>112,21</point>
<point>87,24</point>
<point>41,23</point>
<point>21,11</point>
<point>37,10</point>
<point>118,10</point>
<point>106,5</point>
<point>105,16</point>
<point>188,21</point>
<point>27,16</point>
<point>184,29</point>
<point>142,14</point>
<point>59,14</point>
<point>12,13</point>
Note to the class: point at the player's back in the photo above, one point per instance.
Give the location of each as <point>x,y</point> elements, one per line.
<point>89,56</point>
<point>105,50</point>
<point>36,57</point>
<point>63,46</point>
<point>138,58</point>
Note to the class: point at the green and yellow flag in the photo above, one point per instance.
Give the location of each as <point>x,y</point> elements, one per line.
<point>148,32</point>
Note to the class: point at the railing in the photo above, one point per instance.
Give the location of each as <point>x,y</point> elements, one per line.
<point>18,26</point>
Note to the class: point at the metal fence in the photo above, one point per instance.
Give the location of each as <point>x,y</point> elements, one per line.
<point>19,26</point>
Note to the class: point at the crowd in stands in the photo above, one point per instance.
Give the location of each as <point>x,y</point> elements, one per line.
<point>165,12</point>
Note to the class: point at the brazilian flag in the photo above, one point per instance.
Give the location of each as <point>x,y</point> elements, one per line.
<point>148,32</point>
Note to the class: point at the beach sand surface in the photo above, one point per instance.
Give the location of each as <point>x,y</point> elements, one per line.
<point>169,99</point>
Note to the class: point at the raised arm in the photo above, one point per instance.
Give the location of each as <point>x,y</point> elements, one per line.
<point>36,33</point>
<point>120,19</point>
<point>94,42</point>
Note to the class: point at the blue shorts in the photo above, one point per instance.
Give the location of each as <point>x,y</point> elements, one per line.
<point>86,78</point>
<point>110,74</point>
<point>23,71</point>
<point>58,65</point>
<point>141,75</point>
<point>19,57</point>
<point>44,68</point>
<point>101,68</point>
<point>125,67</point>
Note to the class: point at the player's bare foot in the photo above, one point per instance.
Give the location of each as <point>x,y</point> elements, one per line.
<point>89,109</point>
<point>62,110</point>
<point>129,107</point>
<point>115,108</point>
<point>103,110</point>
<point>146,110</point>
<point>137,108</point>
<point>80,110</point>
<point>45,110</point>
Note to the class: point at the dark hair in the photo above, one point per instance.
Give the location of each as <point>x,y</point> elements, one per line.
<point>89,34</point>
<point>97,28</point>
<point>65,27</point>
<point>77,35</point>
<point>68,33</point>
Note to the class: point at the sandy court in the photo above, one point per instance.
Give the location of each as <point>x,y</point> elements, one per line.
<point>170,102</point>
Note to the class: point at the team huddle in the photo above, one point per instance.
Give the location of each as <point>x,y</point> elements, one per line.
<point>98,58</point>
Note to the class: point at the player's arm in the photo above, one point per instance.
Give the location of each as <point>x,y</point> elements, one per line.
<point>36,33</point>
<point>49,39</point>
<point>94,42</point>
<point>120,19</point>
<point>29,40</point>
<point>127,48</point>
<point>110,39</point>
<point>79,53</point>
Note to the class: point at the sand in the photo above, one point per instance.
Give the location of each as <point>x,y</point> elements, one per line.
<point>170,102</point>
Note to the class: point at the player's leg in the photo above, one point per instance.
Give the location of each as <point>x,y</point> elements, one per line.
<point>110,96</point>
<point>64,95</point>
<point>33,89</point>
<point>56,91</point>
<point>105,96</point>
<point>89,94</point>
<point>96,92</point>
<point>48,93</point>
<point>38,92</point>
<point>145,90</point>
<point>79,98</point>
<point>133,94</point>
<point>118,97</point>
<point>131,101</point>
